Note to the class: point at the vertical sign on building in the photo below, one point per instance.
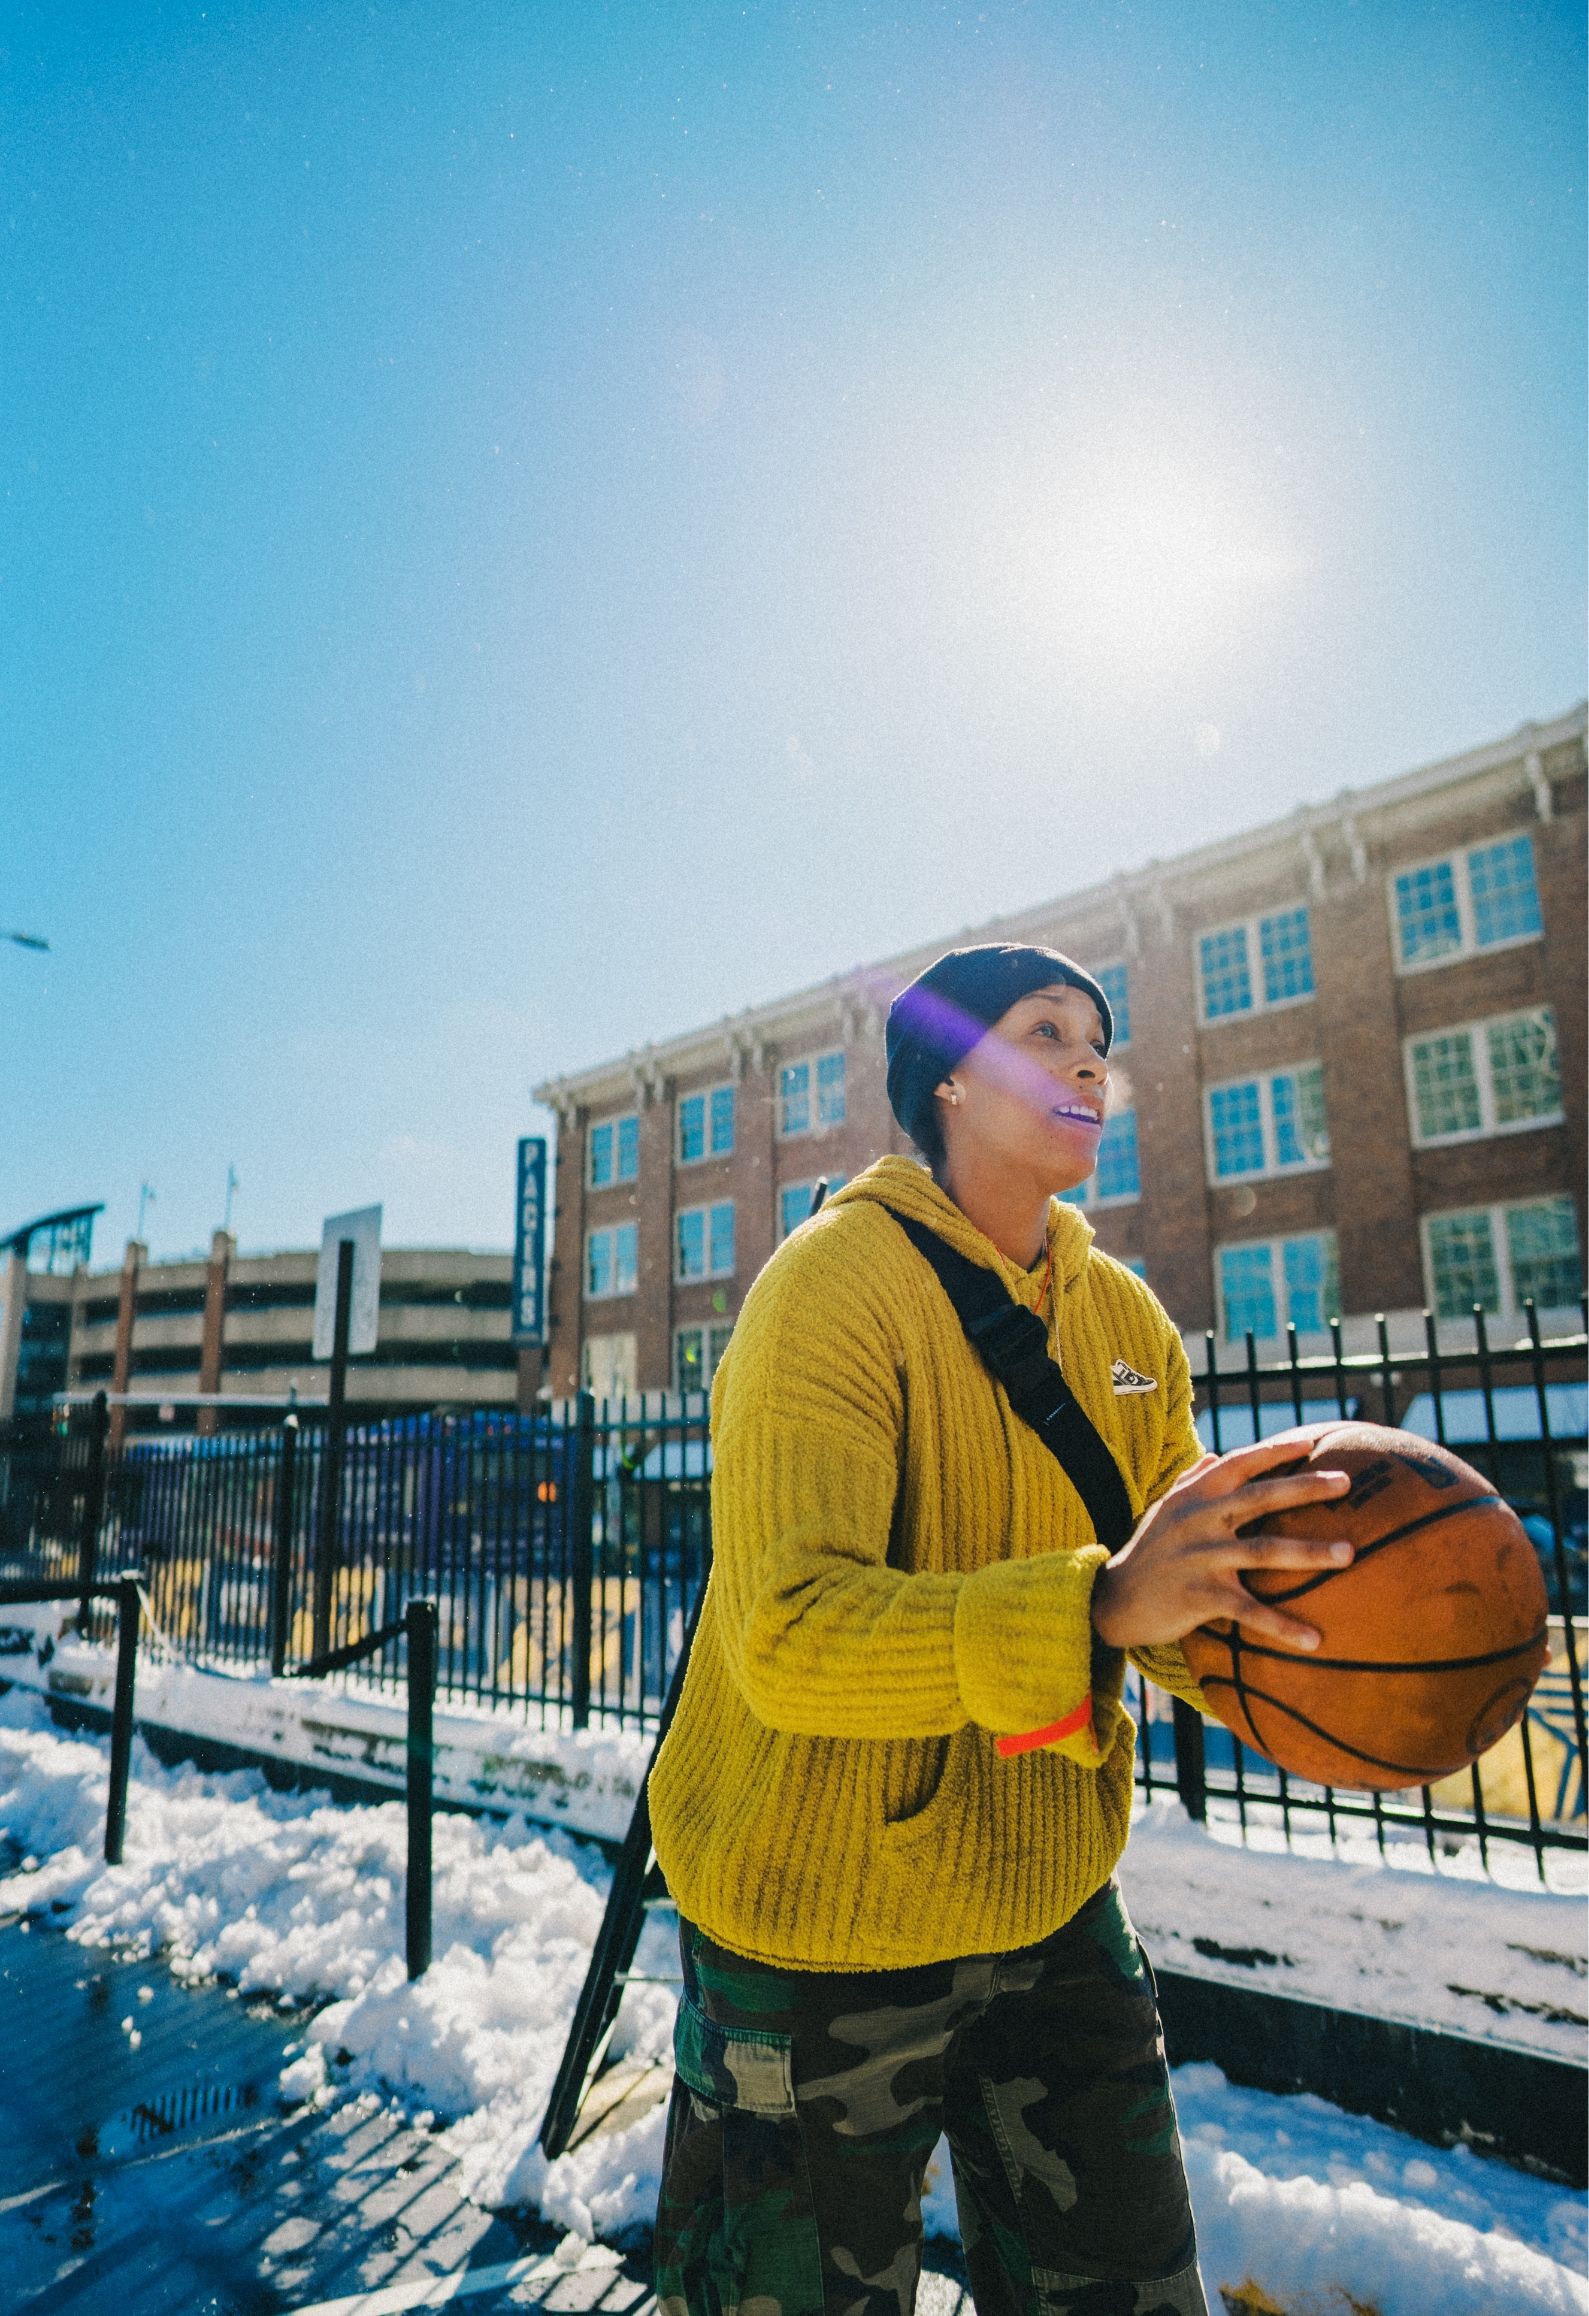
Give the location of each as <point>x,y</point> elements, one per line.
<point>529,1244</point>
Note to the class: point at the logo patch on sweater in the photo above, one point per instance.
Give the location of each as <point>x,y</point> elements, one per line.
<point>1126,1380</point>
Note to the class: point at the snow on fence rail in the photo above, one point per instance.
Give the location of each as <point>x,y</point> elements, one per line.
<point>565,1548</point>
<point>416,1628</point>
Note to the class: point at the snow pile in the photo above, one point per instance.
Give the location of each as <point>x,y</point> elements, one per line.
<point>1443,1949</point>
<point>1314,2205</point>
<point>289,1893</point>
<point>295,1895</point>
<point>1326,2213</point>
<point>584,1779</point>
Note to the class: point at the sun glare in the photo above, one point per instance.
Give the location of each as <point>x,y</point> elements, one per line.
<point>1156,554</point>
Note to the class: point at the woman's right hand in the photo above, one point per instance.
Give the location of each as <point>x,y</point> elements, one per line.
<point>1183,1565</point>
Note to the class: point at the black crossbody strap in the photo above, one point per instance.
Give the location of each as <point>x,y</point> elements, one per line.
<point>1013,1344</point>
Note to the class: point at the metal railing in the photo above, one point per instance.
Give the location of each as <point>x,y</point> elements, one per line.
<point>416,1627</point>
<point>1501,1408</point>
<point>565,1548</point>
<point>126,1592</point>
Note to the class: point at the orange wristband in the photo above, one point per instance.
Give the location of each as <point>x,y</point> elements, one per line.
<point>1081,1718</point>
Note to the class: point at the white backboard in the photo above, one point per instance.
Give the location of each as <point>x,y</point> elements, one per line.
<point>363,1226</point>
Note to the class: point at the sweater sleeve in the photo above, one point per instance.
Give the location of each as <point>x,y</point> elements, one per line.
<point>1166,1667</point>
<point>823,1637</point>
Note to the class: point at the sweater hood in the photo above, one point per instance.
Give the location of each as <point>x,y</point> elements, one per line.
<point>905,1187</point>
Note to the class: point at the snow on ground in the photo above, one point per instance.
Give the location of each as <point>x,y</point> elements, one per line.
<point>1444,1950</point>
<point>294,1894</point>
<point>585,1779</point>
<point>1326,2212</point>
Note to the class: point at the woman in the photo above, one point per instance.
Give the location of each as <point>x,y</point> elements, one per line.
<point>892,1801</point>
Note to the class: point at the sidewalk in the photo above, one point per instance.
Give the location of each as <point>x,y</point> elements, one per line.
<point>150,2169</point>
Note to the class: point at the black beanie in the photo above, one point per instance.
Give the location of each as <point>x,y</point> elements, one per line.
<point>945,1011</point>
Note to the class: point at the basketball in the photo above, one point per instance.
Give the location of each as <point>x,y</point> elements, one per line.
<point>1430,1640</point>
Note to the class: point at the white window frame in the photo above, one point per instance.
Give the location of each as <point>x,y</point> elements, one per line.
<point>1117,965</point>
<point>611,1294</point>
<point>1276,1245</point>
<point>1272,1165</point>
<point>681,1278</point>
<point>1468,945</point>
<point>1500,1251</point>
<point>810,1062</point>
<point>708,1329</point>
<point>619,1349</point>
<point>616,1121</point>
<point>703,1094</point>
<point>1250,926</point>
<point>1489,1126</point>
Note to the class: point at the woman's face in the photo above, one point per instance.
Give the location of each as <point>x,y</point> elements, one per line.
<point>1033,1091</point>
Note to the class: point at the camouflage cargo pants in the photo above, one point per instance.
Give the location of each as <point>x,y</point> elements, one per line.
<point>807,2103</point>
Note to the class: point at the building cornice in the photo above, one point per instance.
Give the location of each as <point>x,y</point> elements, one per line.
<point>1123,906</point>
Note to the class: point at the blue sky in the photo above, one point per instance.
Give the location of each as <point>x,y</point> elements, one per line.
<point>530,527</point>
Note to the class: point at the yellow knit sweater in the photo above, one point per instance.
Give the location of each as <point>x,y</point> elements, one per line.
<point>901,1573</point>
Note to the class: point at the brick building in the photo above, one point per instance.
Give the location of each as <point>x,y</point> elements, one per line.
<point>1351,1057</point>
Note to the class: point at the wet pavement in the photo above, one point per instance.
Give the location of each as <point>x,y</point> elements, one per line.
<point>149,2168</point>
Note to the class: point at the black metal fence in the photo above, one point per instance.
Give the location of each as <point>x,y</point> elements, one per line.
<point>564,1549</point>
<point>1515,1411</point>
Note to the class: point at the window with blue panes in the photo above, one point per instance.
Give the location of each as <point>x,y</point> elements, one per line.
<point>794,1202</point>
<point>794,1098</point>
<point>706,1125</point>
<point>1505,894</point>
<point>830,1089</point>
<point>1290,1145</point>
<point>1247,1291</point>
<point>1266,1285</point>
<point>1484,898</point>
<point>1266,961</point>
<point>811,1094</point>
<point>1313,1292</point>
<point>1226,979</point>
<point>1267,1125</point>
<point>1119,1172</point>
<point>1428,921</point>
<point>1235,1124</point>
<point>1115,982</point>
<point>720,1239</point>
<point>612,1261</point>
<point>615,1151</point>
<point>704,1242</point>
<point>1117,1177</point>
<point>1285,942</point>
